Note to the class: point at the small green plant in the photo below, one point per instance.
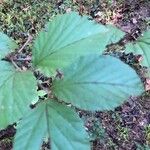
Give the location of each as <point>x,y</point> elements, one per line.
<point>68,55</point>
<point>142,147</point>
<point>123,132</point>
<point>147,133</point>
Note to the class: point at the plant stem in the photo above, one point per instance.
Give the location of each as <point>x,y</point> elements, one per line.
<point>16,66</point>
<point>25,44</point>
<point>22,59</point>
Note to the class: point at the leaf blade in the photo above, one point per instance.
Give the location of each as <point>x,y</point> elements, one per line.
<point>17,89</point>
<point>7,45</point>
<point>71,133</point>
<point>114,35</point>
<point>62,125</point>
<point>88,81</point>
<point>31,130</point>
<point>66,38</point>
<point>141,46</point>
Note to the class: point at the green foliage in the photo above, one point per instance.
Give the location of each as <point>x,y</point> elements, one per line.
<point>17,89</point>
<point>57,121</point>
<point>94,76</point>
<point>67,51</point>
<point>7,45</point>
<point>113,35</point>
<point>141,47</point>
<point>50,47</point>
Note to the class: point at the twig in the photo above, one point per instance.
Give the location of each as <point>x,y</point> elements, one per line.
<point>16,66</point>
<point>22,59</point>
<point>25,44</point>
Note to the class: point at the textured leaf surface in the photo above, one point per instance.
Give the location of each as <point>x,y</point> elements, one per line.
<point>68,37</point>
<point>113,35</point>
<point>17,89</point>
<point>142,47</point>
<point>7,45</point>
<point>31,130</point>
<point>97,83</point>
<point>61,124</point>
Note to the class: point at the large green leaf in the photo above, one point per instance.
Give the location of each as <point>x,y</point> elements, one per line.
<point>142,47</point>
<point>60,122</point>
<point>97,83</point>
<point>7,45</point>
<point>68,37</point>
<point>17,90</point>
<point>113,35</point>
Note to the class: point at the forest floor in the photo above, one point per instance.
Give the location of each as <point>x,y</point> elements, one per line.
<point>128,126</point>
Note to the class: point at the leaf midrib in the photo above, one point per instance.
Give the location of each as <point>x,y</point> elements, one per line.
<point>57,50</point>
<point>94,83</point>
<point>63,118</point>
<point>33,130</point>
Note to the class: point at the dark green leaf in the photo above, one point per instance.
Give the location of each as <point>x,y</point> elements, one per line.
<point>17,90</point>
<point>142,47</point>
<point>113,35</point>
<point>68,37</point>
<point>97,83</point>
<point>7,45</point>
<point>59,122</point>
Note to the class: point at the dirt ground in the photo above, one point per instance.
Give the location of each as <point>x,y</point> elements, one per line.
<point>128,126</point>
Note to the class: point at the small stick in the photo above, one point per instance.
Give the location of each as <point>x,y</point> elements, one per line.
<point>25,44</point>
<point>16,66</point>
<point>23,59</point>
